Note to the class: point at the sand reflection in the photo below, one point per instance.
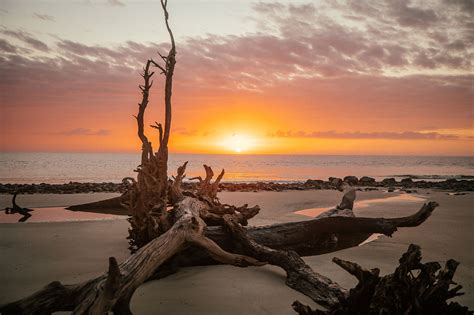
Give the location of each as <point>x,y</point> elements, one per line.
<point>402,198</point>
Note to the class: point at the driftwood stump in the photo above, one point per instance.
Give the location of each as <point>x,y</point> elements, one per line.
<point>15,208</point>
<point>414,288</point>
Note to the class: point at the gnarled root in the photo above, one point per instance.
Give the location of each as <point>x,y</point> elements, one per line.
<point>299,275</point>
<point>414,288</point>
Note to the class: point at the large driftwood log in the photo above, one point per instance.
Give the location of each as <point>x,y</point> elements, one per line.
<point>114,289</point>
<point>309,238</point>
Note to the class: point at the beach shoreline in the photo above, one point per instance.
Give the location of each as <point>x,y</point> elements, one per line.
<point>363,183</point>
<point>39,253</point>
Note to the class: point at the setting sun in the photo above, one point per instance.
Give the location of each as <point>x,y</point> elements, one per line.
<point>238,143</point>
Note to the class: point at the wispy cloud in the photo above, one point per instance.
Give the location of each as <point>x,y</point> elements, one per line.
<point>117,3</point>
<point>27,38</point>
<point>6,47</point>
<point>85,132</point>
<point>44,17</point>
<point>406,135</point>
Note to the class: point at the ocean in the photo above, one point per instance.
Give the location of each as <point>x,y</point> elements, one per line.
<point>55,168</point>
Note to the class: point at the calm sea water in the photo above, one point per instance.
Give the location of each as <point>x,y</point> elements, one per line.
<point>112,167</point>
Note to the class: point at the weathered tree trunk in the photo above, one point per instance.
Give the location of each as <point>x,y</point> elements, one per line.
<point>113,290</point>
<point>171,228</point>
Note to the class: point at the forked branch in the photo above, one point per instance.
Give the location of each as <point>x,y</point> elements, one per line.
<point>147,200</point>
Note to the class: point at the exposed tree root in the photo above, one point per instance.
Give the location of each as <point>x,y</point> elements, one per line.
<point>414,288</point>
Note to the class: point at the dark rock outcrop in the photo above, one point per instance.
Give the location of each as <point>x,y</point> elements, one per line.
<point>366,181</point>
<point>389,182</point>
<point>351,180</point>
<point>333,183</point>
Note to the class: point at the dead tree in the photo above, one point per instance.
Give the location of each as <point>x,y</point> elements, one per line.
<point>171,227</point>
<point>148,197</point>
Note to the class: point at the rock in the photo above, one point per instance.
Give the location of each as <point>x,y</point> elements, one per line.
<point>389,182</point>
<point>407,182</point>
<point>391,189</point>
<point>451,181</point>
<point>365,180</point>
<point>335,181</point>
<point>316,183</point>
<point>351,180</point>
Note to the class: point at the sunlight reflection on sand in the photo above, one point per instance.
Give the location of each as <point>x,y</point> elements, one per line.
<point>402,198</point>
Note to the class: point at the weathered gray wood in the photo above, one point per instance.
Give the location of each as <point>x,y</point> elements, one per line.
<point>106,291</point>
<point>413,288</point>
<point>15,208</point>
<point>323,235</point>
<point>112,205</point>
<point>300,276</point>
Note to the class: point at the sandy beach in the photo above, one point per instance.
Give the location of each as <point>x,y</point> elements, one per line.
<point>35,254</point>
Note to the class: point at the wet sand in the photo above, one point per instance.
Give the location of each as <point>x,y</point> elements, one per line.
<point>34,254</point>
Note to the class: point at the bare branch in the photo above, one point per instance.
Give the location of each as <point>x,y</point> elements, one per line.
<point>170,64</point>
<point>176,193</point>
<point>147,149</point>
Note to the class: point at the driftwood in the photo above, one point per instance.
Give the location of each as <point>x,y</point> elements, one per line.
<point>189,232</point>
<point>112,205</point>
<point>15,208</point>
<point>172,227</point>
<point>114,289</point>
<point>414,288</point>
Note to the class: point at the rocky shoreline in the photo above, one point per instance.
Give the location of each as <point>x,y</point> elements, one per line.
<point>365,183</point>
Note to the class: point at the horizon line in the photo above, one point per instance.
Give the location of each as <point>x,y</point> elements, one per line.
<point>236,154</point>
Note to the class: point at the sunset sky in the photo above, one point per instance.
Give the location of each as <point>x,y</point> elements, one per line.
<point>288,77</point>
